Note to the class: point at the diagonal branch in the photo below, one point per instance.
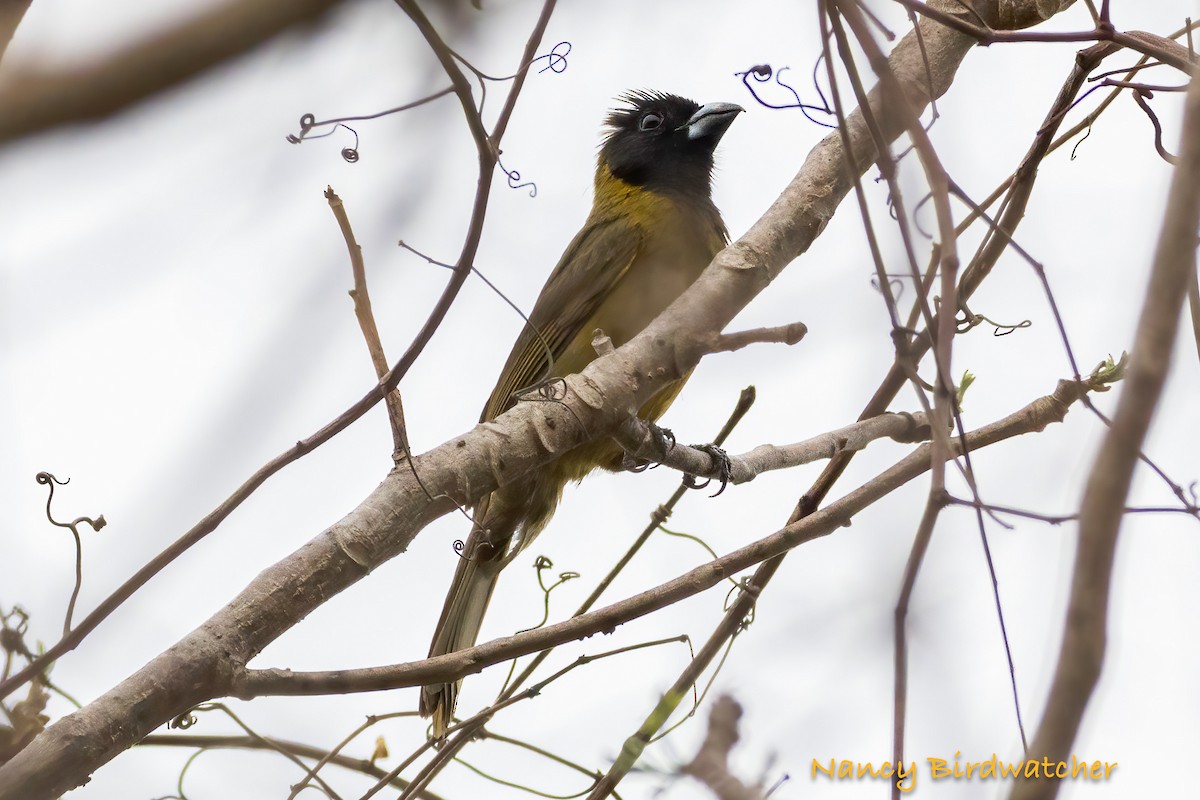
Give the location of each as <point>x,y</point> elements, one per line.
<point>303,447</point>
<point>204,663</point>
<point>1082,654</point>
<point>32,102</point>
<point>925,64</point>
<point>366,322</point>
<point>299,749</point>
<point>1031,418</point>
<point>11,14</point>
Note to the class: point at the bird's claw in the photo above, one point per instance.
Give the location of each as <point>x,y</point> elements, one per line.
<point>664,442</point>
<point>664,438</point>
<point>631,464</point>
<point>721,465</point>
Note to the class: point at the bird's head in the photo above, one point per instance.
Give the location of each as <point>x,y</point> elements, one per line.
<point>664,142</point>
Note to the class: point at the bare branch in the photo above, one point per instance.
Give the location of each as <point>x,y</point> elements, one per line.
<point>1082,654</point>
<point>1022,15</point>
<point>462,86</point>
<point>11,14</point>
<point>781,334</point>
<point>31,102</point>
<point>1193,291</point>
<point>205,662</point>
<point>468,733</point>
<point>365,766</point>
<point>366,322</point>
<point>257,682</point>
<point>639,440</point>
<point>305,446</point>
<point>944,398</point>
<point>711,764</point>
<point>926,64</point>
<point>531,46</point>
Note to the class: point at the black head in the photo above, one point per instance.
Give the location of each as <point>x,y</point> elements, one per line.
<point>665,142</point>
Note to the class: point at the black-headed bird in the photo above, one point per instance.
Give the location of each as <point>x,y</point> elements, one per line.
<point>652,230</point>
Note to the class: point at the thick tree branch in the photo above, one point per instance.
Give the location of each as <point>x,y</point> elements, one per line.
<point>1193,291</point>
<point>11,14</point>
<point>31,102</point>
<point>1032,418</point>
<point>205,662</point>
<point>305,446</point>
<point>925,63</point>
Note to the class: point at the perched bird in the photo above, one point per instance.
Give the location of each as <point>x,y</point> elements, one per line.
<point>653,228</point>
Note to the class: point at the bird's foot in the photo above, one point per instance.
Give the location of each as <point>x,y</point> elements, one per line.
<point>664,438</point>
<point>633,464</point>
<point>664,441</point>
<point>721,465</point>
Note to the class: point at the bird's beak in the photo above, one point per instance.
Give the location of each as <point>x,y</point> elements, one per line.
<point>711,120</point>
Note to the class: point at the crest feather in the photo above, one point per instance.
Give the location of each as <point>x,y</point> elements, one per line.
<point>637,101</point>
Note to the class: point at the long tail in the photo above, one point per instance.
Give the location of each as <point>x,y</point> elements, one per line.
<point>458,628</point>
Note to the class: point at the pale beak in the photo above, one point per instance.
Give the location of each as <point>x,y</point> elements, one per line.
<point>711,120</point>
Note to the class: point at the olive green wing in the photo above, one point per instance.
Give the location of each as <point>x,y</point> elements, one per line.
<point>595,260</point>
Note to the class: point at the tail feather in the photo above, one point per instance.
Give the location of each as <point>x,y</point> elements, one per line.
<point>497,518</point>
<point>458,629</point>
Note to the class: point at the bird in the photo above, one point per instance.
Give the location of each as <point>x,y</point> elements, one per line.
<point>652,230</point>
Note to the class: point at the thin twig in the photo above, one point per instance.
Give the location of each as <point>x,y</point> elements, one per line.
<point>188,719</point>
<point>332,755</point>
<point>97,524</point>
<point>1151,44</point>
<point>475,722</point>
<point>484,733</point>
<point>944,387</point>
<point>297,749</point>
<point>1060,519</point>
<point>366,322</point>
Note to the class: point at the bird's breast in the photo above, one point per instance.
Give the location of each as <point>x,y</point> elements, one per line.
<point>673,254</point>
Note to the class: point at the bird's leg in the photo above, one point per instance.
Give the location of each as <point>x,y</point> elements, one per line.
<point>721,465</point>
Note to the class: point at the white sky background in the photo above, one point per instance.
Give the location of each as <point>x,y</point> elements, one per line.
<point>173,313</point>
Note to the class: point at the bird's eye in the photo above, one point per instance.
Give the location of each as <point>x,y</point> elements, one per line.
<point>650,121</point>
